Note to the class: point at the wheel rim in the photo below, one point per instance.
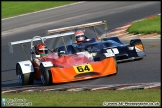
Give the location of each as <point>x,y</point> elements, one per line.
<point>20,78</point>
<point>42,79</point>
<point>42,75</point>
<point>20,74</point>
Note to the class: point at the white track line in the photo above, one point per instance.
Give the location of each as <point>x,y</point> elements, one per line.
<point>42,10</point>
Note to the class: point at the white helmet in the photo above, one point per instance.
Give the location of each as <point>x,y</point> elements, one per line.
<point>79,35</point>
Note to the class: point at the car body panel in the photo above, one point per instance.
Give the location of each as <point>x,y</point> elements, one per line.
<point>65,67</point>
<point>126,51</point>
<point>103,68</point>
<point>26,66</point>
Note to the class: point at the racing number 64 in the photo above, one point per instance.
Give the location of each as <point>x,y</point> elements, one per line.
<point>83,68</point>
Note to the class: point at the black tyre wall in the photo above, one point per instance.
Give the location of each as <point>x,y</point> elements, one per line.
<point>27,78</point>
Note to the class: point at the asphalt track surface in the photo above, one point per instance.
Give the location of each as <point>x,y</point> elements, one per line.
<point>115,13</point>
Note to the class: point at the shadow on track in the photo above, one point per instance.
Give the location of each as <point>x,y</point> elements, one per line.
<point>8,70</point>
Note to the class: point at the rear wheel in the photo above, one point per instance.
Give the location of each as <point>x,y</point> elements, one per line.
<point>46,76</point>
<point>24,79</point>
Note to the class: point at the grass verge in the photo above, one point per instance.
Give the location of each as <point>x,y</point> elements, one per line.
<point>14,8</point>
<point>147,26</point>
<point>87,98</point>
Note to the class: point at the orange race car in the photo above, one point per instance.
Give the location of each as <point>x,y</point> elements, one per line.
<point>61,66</point>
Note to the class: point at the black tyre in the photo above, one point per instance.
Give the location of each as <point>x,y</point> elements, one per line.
<point>24,79</point>
<point>46,76</point>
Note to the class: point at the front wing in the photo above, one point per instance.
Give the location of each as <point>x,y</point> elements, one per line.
<point>84,71</point>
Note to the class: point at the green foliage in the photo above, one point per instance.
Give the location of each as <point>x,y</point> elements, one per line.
<point>147,26</point>
<point>87,98</point>
<point>13,8</point>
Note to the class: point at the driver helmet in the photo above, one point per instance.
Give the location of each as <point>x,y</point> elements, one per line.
<point>79,34</point>
<point>41,49</point>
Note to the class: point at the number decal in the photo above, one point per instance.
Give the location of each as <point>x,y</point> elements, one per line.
<point>80,69</point>
<point>83,68</point>
<point>86,68</point>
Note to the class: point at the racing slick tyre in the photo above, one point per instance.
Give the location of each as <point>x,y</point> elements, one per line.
<point>24,79</point>
<point>46,76</point>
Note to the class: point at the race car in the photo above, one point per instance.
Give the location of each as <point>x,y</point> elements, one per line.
<point>123,52</point>
<point>61,66</point>
<point>94,51</point>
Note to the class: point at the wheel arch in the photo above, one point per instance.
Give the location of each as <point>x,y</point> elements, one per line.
<point>133,41</point>
<point>26,66</point>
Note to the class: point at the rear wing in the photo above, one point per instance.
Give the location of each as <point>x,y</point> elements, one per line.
<point>10,44</point>
<point>72,28</point>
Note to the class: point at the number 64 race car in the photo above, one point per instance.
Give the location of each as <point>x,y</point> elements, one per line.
<point>63,65</point>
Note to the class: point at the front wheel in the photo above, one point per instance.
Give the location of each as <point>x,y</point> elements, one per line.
<point>24,79</point>
<point>46,76</point>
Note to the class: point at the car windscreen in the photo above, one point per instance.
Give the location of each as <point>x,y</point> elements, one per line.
<point>98,45</point>
<point>110,43</point>
<point>70,49</point>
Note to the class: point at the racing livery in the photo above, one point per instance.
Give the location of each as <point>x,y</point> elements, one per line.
<point>123,52</point>
<point>62,65</point>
